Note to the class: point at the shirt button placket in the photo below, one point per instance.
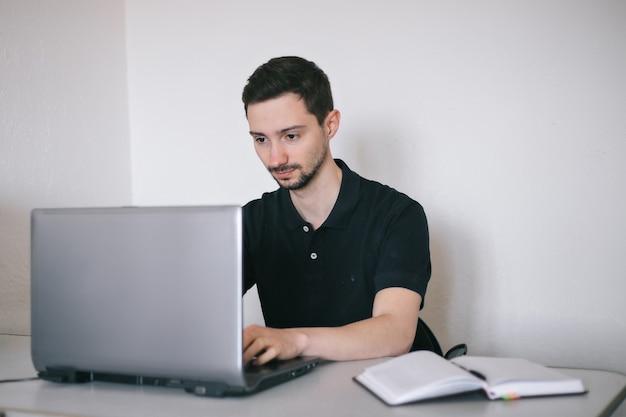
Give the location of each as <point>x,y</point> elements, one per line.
<point>306,229</point>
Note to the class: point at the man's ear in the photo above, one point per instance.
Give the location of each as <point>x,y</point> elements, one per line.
<point>331,123</point>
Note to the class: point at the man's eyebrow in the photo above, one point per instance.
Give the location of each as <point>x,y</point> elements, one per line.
<point>296,127</point>
<point>285,130</point>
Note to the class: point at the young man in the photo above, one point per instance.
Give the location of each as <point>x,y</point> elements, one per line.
<point>341,263</point>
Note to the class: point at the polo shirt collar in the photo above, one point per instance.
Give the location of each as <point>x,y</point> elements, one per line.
<point>342,210</point>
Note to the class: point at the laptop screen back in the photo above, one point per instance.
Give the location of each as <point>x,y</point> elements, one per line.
<point>138,291</point>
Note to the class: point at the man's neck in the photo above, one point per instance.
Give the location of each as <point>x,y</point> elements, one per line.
<point>316,200</point>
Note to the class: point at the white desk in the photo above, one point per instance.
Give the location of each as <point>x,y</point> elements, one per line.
<point>328,391</point>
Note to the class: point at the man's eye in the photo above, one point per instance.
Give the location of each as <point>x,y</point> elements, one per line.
<point>292,136</point>
<point>260,139</point>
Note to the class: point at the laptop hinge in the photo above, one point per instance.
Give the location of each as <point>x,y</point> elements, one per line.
<point>211,389</point>
<point>65,375</point>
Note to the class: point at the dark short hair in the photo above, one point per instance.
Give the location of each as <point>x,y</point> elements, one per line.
<point>290,74</point>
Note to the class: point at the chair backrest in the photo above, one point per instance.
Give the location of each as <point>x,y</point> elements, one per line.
<point>425,339</point>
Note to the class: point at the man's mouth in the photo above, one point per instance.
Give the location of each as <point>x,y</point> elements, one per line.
<point>283,171</point>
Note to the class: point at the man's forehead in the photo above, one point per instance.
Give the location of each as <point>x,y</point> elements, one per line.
<point>278,114</point>
<point>283,100</point>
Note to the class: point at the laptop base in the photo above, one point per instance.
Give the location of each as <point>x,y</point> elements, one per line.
<point>200,388</point>
<point>66,376</point>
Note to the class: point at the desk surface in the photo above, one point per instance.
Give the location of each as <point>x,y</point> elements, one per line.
<point>327,391</point>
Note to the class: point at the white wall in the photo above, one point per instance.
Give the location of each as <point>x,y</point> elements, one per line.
<point>504,119</point>
<point>63,125</point>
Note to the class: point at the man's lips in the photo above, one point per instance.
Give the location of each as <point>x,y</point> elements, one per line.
<point>283,172</point>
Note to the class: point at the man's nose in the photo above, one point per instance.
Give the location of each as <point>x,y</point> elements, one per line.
<point>278,156</point>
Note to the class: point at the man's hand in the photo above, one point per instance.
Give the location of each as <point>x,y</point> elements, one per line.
<point>266,344</point>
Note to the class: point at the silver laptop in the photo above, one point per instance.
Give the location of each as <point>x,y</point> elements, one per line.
<point>147,295</point>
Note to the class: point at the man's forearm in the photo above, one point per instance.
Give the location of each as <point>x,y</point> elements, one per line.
<point>371,338</point>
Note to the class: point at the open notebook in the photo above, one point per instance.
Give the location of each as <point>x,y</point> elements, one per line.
<point>148,295</point>
<point>423,375</point>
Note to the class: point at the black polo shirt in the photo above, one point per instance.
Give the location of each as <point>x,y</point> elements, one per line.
<point>374,238</point>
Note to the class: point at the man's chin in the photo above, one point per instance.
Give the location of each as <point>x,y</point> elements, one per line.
<point>288,184</point>
<point>296,182</point>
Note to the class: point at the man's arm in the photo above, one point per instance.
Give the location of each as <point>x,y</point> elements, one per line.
<point>389,332</point>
